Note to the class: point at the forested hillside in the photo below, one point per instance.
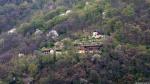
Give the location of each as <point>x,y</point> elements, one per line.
<point>74,41</point>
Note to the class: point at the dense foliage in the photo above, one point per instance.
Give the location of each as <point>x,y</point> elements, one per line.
<point>124,57</point>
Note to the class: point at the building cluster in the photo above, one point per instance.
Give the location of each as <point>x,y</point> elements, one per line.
<point>88,48</point>
<point>57,49</point>
<point>81,48</point>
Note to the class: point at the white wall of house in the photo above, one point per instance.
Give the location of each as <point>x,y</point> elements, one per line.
<point>97,35</point>
<point>66,13</point>
<point>12,31</point>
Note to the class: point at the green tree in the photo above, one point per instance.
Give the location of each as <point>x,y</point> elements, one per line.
<point>32,68</point>
<point>94,77</point>
<point>128,11</point>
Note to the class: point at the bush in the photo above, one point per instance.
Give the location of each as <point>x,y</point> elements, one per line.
<point>56,20</point>
<point>128,11</point>
<point>94,77</point>
<point>33,69</point>
<point>54,13</point>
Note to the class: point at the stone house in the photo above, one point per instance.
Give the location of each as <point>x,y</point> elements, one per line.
<point>88,48</point>
<point>47,51</point>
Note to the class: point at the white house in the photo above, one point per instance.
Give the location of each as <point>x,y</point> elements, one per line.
<point>21,55</point>
<point>52,51</point>
<point>97,35</point>
<point>68,11</point>
<point>12,31</point>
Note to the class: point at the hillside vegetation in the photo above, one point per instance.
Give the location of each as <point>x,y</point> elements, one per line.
<point>29,28</point>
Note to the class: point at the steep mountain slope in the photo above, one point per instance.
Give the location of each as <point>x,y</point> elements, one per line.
<point>124,57</point>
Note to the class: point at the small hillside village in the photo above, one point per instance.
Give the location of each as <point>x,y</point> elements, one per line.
<point>74,41</point>
<point>92,45</point>
<point>86,44</point>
